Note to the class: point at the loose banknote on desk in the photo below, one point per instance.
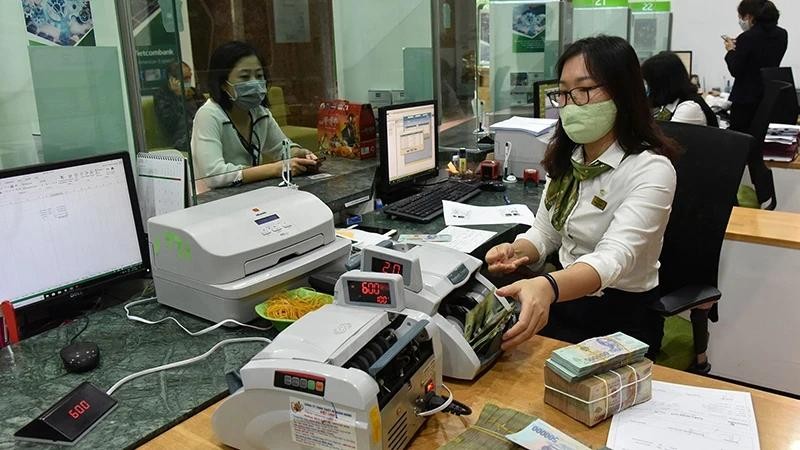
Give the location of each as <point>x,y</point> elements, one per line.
<point>506,429</point>
<point>595,355</point>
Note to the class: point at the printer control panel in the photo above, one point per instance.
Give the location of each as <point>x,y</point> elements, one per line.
<point>270,223</point>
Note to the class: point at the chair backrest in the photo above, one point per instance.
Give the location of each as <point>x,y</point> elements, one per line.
<point>760,174</point>
<point>709,173</point>
<point>277,104</point>
<point>786,108</point>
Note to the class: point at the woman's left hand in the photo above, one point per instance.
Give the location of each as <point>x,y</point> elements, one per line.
<point>535,295</point>
<point>730,44</point>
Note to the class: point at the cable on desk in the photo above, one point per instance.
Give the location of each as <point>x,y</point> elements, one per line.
<point>184,362</point>
<point>191,333</point>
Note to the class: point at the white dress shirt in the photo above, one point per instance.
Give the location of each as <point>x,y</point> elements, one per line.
<point>218,154</point>
<point>687,112</point>
<point>622,241</point>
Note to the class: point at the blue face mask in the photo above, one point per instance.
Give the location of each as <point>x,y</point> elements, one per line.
<point>249,94</point>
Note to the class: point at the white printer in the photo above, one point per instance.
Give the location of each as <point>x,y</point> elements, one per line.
<point>355,374</point>
<point>219,259</point>
<point>446,285</point>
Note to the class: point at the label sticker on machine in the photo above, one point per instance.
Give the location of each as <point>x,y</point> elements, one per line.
<point>322,425</point>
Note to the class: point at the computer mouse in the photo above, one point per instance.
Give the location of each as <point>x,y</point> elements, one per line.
<point>80,356</point>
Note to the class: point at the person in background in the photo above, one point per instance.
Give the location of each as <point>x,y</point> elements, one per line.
<point>672,95</point>
<point>235,139</point>
<point>176,104</point>
<point>762,44</point>
<point>607,201</point>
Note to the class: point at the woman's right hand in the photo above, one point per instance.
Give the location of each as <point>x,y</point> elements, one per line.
<point>505,258</point>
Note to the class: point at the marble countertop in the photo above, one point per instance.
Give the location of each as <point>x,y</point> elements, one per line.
<point>350,180</point>
<point>33,377</point>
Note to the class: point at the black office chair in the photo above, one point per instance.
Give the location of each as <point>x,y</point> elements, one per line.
<point>760,174</point>
<point>709,173</point>
<point>786,108</point>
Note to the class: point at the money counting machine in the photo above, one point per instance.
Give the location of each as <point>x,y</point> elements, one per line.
<point>219,259</point>
<point>356,374</point>
<point>446,285</point>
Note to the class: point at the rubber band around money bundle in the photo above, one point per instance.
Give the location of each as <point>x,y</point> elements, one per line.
<point>635,383</point>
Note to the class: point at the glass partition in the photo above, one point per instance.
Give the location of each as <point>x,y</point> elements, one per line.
<point>614,21</point>
<point>294,54</point>
<point>527,38</point>
<point>62,95</point>
<point>651,33</point>
<point>168,95</point>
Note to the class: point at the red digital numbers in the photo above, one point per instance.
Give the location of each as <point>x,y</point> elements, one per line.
<point>79,409</point>
<point>390,267</point>
<point>383,299</point>
<point>370,288</point>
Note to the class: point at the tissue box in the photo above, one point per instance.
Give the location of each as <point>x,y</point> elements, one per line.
<point>598,397</point>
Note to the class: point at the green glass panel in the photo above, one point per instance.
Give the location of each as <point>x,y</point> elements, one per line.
<point>79,101</point>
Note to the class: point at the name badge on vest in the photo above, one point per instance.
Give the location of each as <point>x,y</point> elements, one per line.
<point>599,203</point>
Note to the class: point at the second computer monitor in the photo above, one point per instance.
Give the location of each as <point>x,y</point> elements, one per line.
<point>408,150</point>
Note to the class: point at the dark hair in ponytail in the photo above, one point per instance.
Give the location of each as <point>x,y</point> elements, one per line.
<point>764,12</point>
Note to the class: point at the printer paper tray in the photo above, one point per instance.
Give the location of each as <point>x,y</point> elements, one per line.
<point>273,276</point>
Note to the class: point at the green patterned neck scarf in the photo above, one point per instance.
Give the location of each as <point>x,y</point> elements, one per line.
<point>664,114</point>
<point>562,193</point>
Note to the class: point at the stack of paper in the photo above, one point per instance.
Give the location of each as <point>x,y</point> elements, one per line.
<point>687,417</point>
<point>536,127</point>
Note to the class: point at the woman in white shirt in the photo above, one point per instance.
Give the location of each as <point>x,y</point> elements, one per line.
<point>672,95</point>
<point>607,201</point>
<point>235,139</point>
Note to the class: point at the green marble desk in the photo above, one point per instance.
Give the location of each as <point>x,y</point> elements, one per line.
<point>33,377</point>
<point>350,182</point>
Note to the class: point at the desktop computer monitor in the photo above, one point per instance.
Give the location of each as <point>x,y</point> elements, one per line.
<point>542,107</point>
<point>686,59</point>
<point>68,228</point>
<point>408,145</point>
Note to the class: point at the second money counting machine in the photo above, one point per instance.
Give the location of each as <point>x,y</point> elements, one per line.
<point>445,284</point>
<point>361,373</point>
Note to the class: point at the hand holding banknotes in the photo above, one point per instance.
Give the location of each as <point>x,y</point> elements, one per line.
<point>535,296</point>
<point>506,258</point>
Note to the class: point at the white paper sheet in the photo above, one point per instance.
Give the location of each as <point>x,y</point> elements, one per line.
<point>536,127</point>
<point>464,239</point>
<point>686,418</point>
<point>463,214</point>
<point>361,238</point>
<point>162,185</point>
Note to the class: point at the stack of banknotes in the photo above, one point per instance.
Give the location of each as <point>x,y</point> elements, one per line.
<point>596,355</point>
<point>594,399</point>
<point>487,320</point>
<point>599,377</point>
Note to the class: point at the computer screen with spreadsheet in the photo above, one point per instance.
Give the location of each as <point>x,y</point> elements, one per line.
<point>408,141</point>
<point>67,227</point>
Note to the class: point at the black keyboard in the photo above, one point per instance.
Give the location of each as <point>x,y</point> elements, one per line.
<point>427,205</point>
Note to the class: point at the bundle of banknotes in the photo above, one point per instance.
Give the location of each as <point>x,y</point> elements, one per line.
<point>505,429</point>
<point>486,320</point>
<point>602,395</point>
<point>596,355</point>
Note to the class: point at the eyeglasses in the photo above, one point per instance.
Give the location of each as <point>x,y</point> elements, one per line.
<point>579,96</point>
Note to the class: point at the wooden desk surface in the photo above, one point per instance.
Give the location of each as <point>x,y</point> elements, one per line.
<point>758,226</point>
<point>785,165</point>
<point>516,382</point>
